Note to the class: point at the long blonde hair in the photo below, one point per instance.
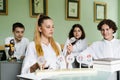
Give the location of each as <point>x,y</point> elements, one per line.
<point>37,38</point>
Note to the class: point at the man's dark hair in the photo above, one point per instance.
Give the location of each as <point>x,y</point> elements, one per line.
<point>108,22</point>
<point>17,24</point>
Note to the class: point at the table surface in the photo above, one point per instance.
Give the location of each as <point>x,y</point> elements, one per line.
<point>93,75</point>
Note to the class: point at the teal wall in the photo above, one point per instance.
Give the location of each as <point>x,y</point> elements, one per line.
<point>18,10</point>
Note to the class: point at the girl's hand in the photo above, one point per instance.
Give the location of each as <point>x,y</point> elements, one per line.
<point>69,48</point>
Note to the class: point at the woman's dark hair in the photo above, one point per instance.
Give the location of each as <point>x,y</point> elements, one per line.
<point>108,22</point>
<point>80,27</point>
<point>42,18</point>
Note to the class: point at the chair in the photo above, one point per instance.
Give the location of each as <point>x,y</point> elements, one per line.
<point>2,47</point>
<point>2,53</point>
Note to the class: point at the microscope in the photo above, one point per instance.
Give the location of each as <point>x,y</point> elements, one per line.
<point>11,50</point>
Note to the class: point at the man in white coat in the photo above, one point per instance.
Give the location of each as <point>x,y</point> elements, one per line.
<point>109,46</point>
<point>20,42</point>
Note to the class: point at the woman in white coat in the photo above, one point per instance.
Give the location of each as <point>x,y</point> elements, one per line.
<point>43,45</point>
<point>76,43</point>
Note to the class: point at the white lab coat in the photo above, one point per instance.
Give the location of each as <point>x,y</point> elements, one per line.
<point>20,47</point>
<point>78,47</point>
<point>104,49</point>
<point>31,57</point>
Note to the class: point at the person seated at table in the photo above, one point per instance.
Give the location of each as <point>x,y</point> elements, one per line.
<point>75,43</point>
<point>109,46</point>
<point>18,41</point>
<point>42,46</point>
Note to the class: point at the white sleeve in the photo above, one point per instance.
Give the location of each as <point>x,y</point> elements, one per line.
<point>80,46</point>
<point>89,50</point>
<point>26,45</point>
<point>30,58</point>
<point>65,47</point>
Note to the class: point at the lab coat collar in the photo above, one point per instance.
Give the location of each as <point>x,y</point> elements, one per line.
<point>109,41</point>
<point>17,42</point>
<point>45,44</point>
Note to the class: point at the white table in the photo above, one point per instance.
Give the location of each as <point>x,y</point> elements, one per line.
<point>93,75</point>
